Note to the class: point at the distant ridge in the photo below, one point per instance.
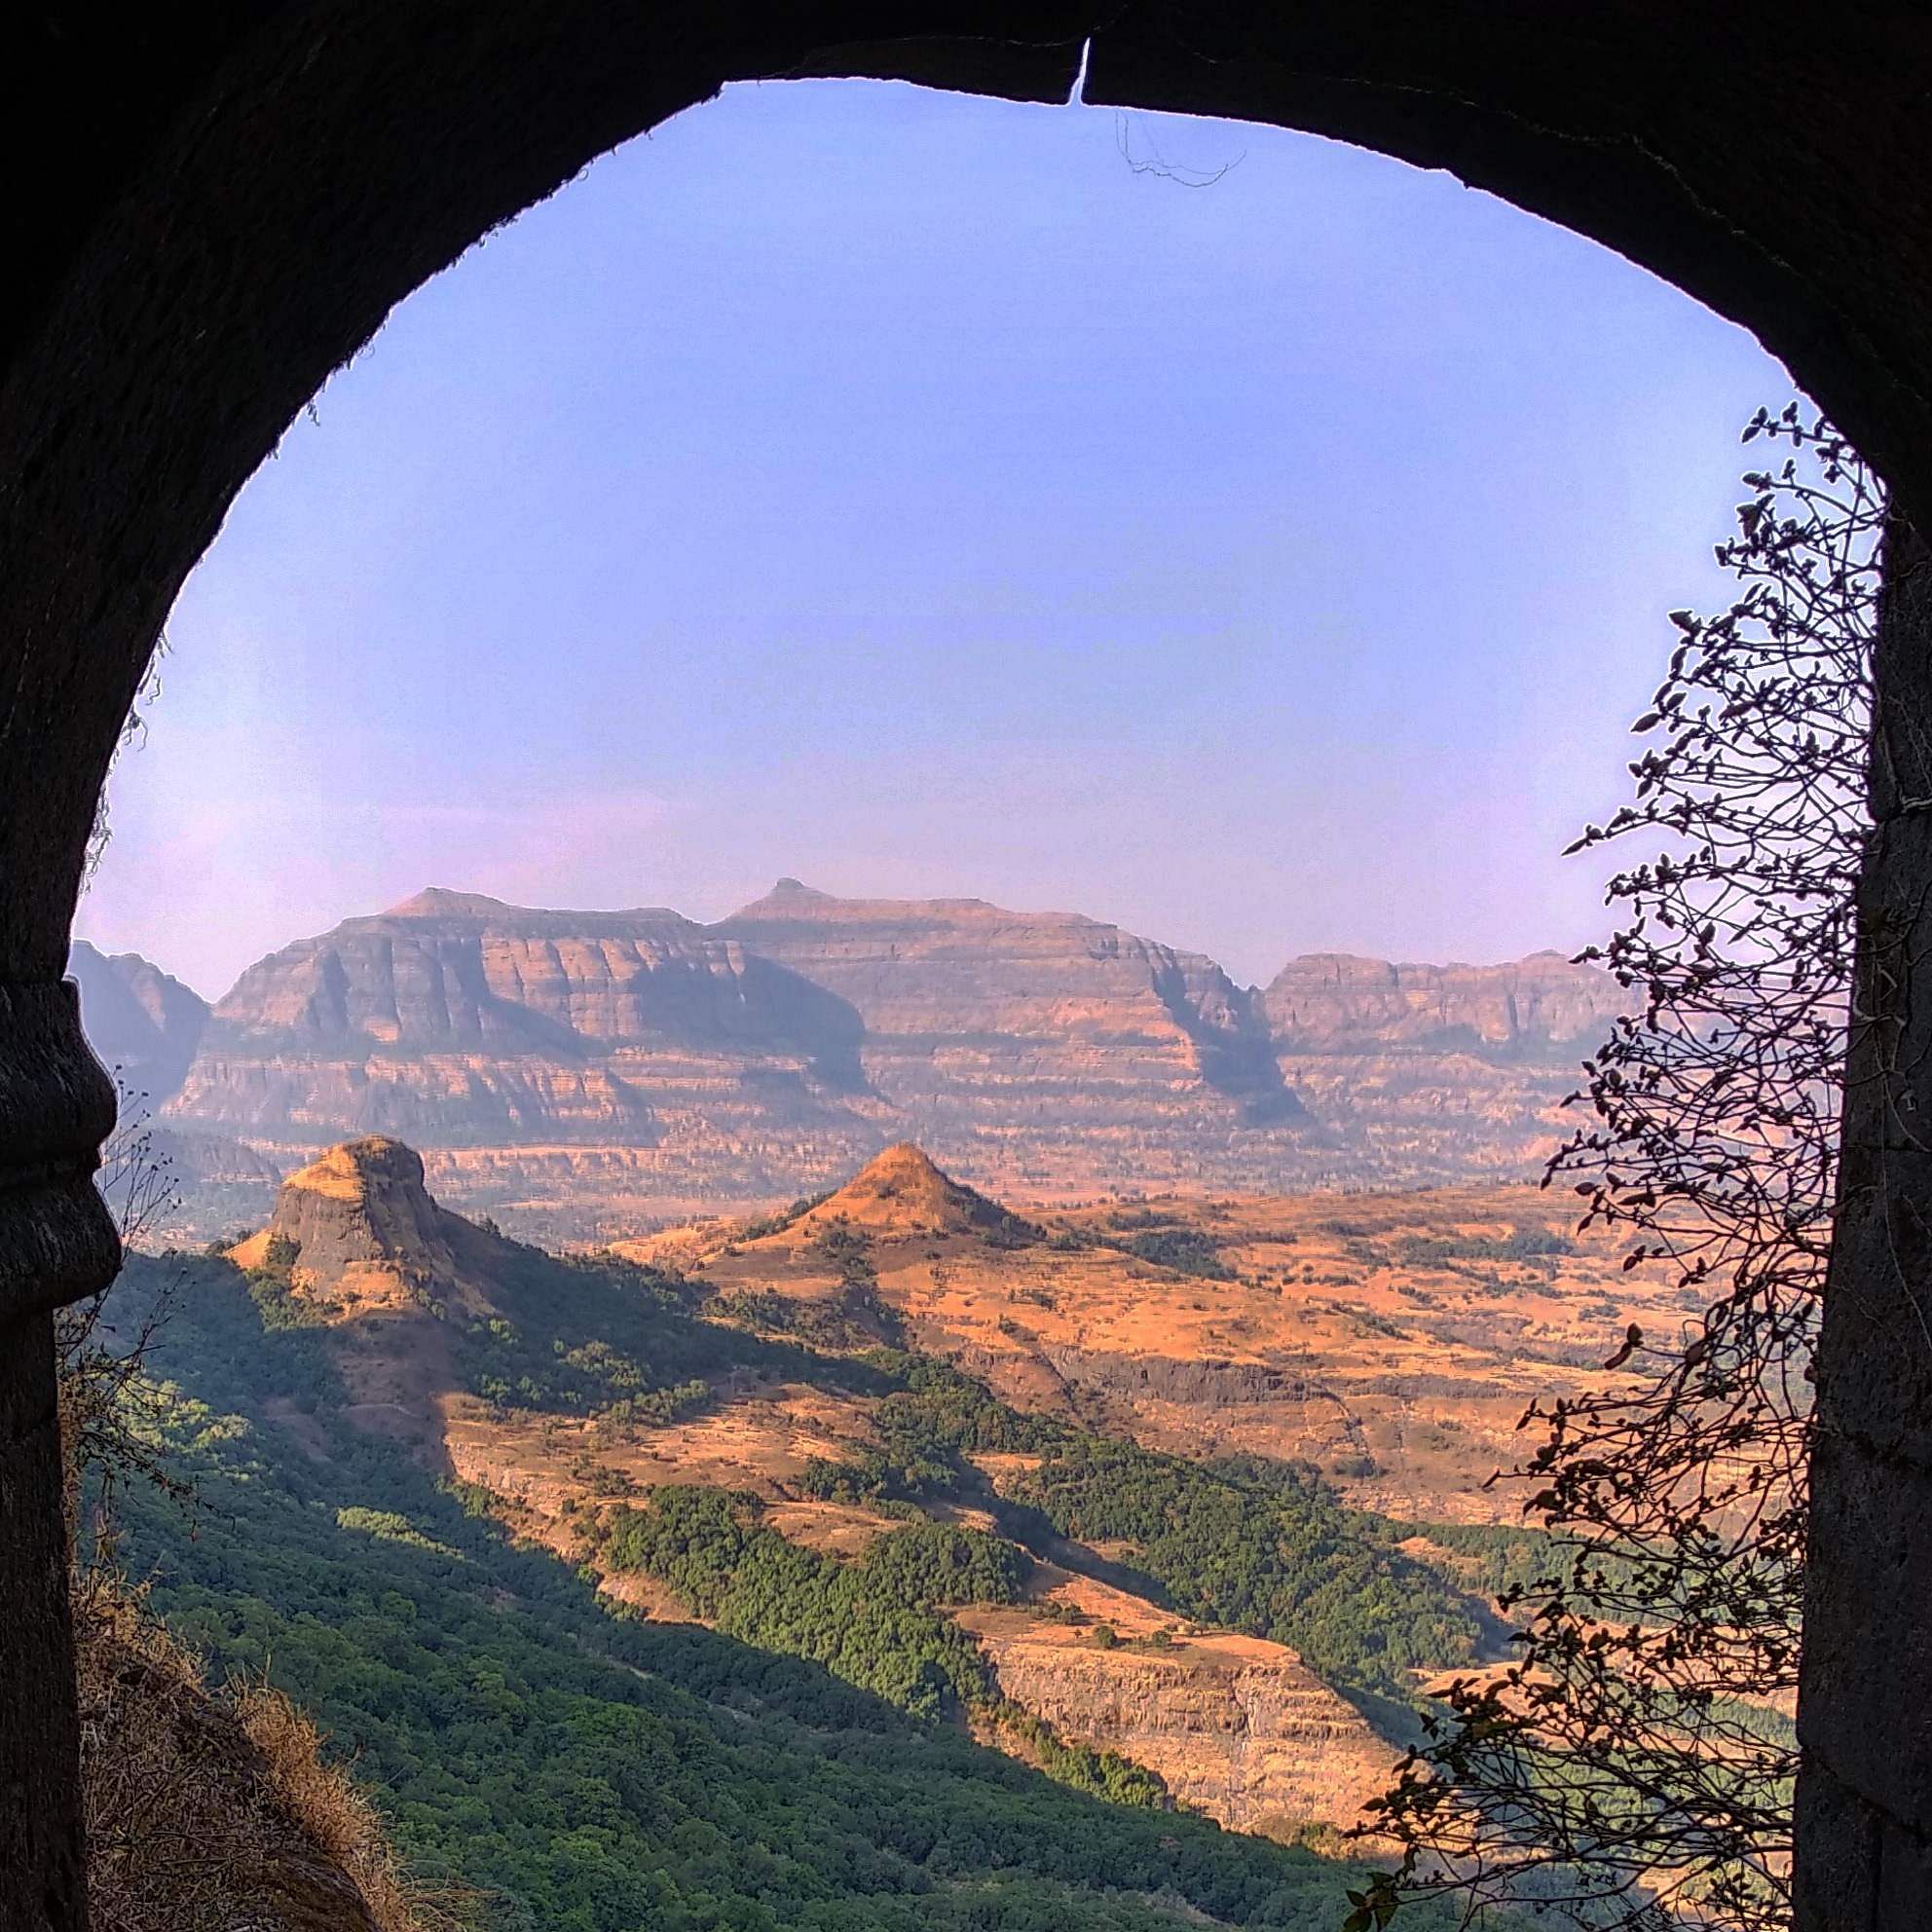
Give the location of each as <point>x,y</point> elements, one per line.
<point>437,902</point>
<point>792,896</point>
<point>143,1025</point>
<point>1325,1001</point>
<point>596,1070</point>
<point>1063,999</point>
<point>440,903</point>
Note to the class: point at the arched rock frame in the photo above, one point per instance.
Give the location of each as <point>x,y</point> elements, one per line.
<point>213,207</point>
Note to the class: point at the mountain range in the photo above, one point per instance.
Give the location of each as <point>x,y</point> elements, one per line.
<point>590,1072</point>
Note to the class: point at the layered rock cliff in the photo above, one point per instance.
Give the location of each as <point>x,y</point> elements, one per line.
<point>587,1071</point>
<point>1541,1007</point>
<point>457,972</point>
<point>1235,1727</point>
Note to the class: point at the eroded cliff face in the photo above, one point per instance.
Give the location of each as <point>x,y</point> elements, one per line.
<point>454,971</point>
<point>1235,1727</point>
<point>1439,1073</point>
<point>983,1015</point>
<point>585,1072</point>
<point>463,1022</point>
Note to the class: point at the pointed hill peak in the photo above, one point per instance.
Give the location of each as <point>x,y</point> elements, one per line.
<point>903,1192</point>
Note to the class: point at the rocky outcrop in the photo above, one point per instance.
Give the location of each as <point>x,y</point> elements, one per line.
<point>357,1238</point>
<point>1237,1727</point>
<point>143,1024</point>
<point>361,1208</point>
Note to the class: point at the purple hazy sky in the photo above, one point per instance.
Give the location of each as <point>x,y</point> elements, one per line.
<point>923,496</point>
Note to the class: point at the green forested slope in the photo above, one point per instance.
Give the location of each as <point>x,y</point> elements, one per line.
<point>1252,1545</point>
<point>589,1773</point>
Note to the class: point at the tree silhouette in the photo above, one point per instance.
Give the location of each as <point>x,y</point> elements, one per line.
<point>1633,1768</point>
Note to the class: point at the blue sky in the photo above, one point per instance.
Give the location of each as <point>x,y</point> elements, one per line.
<point>911,494</point>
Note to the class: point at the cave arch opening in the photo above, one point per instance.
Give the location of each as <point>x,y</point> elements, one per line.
<point>841,471</point>
<point>284,186</point>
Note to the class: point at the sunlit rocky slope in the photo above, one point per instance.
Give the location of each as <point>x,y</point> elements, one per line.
<point>1393,1340</point>
<point>813,1730</point>
<point>588,1072</point>
<point>1236,1726</point>
<point>1234,1368</point>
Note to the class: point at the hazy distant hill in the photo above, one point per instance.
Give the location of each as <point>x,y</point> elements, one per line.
<point>600,1068</point>
<point>143,1023</point>
<point>1537,1008</point>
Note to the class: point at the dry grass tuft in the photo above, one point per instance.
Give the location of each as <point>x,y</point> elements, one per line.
<point>338,1818</point>
<point>205,1811</point>
<point>212,1810</point>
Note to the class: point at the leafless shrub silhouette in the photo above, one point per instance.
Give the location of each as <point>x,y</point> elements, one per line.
<point>108,1428</point>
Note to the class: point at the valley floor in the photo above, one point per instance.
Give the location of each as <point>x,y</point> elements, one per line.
<point>1087,1532</point>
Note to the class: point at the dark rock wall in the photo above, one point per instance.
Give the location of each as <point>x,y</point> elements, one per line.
<point>41,1876</point>
<point>1864,1704</point>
